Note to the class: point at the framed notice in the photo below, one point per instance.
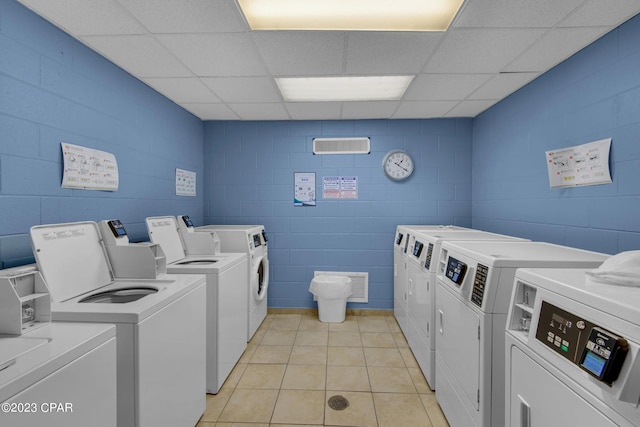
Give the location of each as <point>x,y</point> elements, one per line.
<point>88,169</point>
<point>304,189</point>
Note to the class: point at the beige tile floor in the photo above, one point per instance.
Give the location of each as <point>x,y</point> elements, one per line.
<point>295,363</point>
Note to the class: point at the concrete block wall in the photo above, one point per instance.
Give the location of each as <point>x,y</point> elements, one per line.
<point>249,172</point>
<point>593,95</point>
<point>53,89</point>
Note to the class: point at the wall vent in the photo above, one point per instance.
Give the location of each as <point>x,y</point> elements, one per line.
<point>341,145</point>
<point>359,284</point>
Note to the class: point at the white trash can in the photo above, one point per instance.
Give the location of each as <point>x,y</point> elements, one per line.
<point>332,293</point>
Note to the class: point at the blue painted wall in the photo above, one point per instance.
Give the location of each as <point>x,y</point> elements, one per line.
<point>593,95</point>
<point>249,172</point>
<point>54,89</point>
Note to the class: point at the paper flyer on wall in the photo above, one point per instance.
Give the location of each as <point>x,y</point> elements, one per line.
<point>185,183</point>
<point>586,164</point>
<point>340,187</point>
<point>88,169</point>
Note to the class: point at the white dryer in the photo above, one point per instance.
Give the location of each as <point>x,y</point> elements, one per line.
<point>159,324</point>
<point>252,240</point>
<point>572,351</point>
<point>61,374</point>
<point>402,245</point>
<point>473,289</point>
<point>423,253</point>
<point>226,294</point>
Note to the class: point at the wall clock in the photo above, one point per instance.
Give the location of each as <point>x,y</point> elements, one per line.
<point>397,165</point>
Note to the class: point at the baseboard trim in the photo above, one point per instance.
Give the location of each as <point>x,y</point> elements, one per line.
<point>314,311</point>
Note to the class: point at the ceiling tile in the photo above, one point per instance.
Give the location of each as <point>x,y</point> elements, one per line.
<point>599,12</point>
<point>554,47</point>
<point>301,53</point>
<point>182,89</point>
<point>140,55</point>
<point>480,50</point>
<point>193,16</point>
<point>514,13</point>
<point>87,17</point>
<point>263,111</point>
<point>314,110</point>
<point>389,52</point>
<point>210,111</point>
<point>502,85</point>
<point>444,86</point>
<point>470,108</point>
<point>244,89</point>
<point>423,109</point>
<point>213,55</point>
<point>368,110</point>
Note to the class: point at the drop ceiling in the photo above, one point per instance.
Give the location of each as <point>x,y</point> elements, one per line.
<point>202,55</point>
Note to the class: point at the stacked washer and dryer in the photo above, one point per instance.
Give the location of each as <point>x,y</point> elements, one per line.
<point>474,286</point>
<point>252,240</point>
<point>572,351</point>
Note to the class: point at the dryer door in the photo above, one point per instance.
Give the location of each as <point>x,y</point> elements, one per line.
<point>539,399</point>
<point>457,344</point>
<point>260,281</point>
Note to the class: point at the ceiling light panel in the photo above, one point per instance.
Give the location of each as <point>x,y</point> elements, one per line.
<point>369,88</point>
<point>353,15</point>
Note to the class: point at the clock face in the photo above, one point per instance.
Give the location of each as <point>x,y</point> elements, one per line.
<point>397,165</point>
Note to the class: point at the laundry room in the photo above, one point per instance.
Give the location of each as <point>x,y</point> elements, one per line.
<point>198,95</point>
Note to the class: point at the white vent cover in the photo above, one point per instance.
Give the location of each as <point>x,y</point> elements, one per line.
<point>359,284</point>
<point>341,145</point>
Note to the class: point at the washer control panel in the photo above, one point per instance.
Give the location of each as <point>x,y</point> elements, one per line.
<point>427,258</point>
<point>479,283</point>
<point>417,249</point>
<point>456,270</point>
<point>587,345</point>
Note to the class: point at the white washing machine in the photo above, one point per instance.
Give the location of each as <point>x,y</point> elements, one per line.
<point>424,249</point>
<point>401,247</point>
<point>226,295</point>
<point>572,351</point>
<point>252,240</point>
<point>160,324</point>
<point>62,374</point>
<point>473,289</point>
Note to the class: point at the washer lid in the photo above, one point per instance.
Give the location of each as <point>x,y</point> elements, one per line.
<point>71,258</point>
<point>163,230</point>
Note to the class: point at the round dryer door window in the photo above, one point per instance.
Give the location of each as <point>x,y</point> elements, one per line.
<point>262,279</point>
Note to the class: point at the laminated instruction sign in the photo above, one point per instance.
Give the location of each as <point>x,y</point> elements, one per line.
<point>340,187</point>
<point>586,164</point>
<point>185,183</point>
<point>88,169</point>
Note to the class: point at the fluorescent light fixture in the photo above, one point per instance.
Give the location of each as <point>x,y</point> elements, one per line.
<point>356,15</point>
<point>367,88</point>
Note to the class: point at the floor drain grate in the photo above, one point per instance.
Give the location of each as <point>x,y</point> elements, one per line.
<point>338,403</point>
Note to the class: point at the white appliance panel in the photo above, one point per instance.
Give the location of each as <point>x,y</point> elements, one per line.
<point>180,364</point>
<point>485,289</point>
<point>533,388</point>
<point>575,307</point>
<point>80,394</point>
<point>458,347</point>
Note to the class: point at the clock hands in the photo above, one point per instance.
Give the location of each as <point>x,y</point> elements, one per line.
<point>400,166</point>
